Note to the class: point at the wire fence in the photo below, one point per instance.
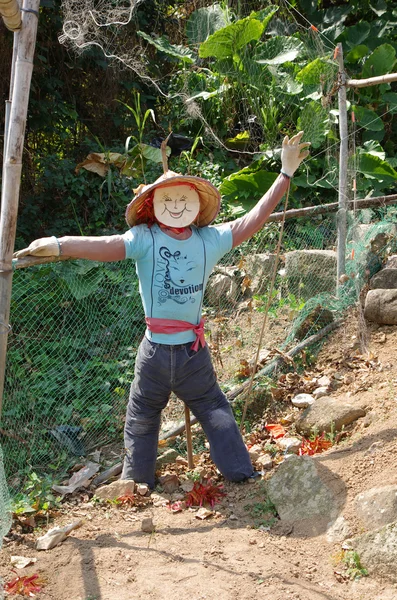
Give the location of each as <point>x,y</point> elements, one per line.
<point>76,326</point>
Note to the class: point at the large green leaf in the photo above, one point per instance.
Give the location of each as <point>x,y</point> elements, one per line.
<point>390,98</point>
<point>314,121</point>
<point>368,118</point>
<point>279,50</point>
<point>204,22</point>
<point>247,188</point>
<point>376,168</point>
<point>152,153</point>
<point>380,62</point>
<point>357,34</point>
<point>228,41</point>
<point>162,44</point>
<point>315,71</point>
<point>357,53</point>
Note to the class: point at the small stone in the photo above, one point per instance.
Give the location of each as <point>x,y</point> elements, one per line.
<point>303,400</point>
<point>203,513</point>
<point>114,490</point>
<point>320,392</point>
<point>142,489</point>
<point>187,485</point>
<point>233,517</point>
<point>265,461</point>
<point>289,444</point>
<point>160,499</point>
<point>254,452</point>
<point>147,525</point>
<point>169,483</point>
<point>324,381</point>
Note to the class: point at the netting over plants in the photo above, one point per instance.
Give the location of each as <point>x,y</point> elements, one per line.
<point>76,326</point>
<point>235,83</point>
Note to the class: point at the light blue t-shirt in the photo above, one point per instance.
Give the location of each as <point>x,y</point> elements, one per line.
<point>173,273</point>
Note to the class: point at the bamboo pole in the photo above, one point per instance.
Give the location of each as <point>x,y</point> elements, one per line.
<point>11,13</point>
<point>343,158</point>
<point>359,83</point>
<point>12,168</point>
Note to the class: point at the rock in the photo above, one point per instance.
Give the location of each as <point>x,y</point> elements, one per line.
<point>327,414</point>
<point>161,499</point>
<point>265,461</point>
<point>302,400</point>
<point>381,306</point>
<point>142,489</point>
<point>391,262</point>
<point>255,451</point>
<point>378,551</point>
<point>320,392</point>
<point>301,497</point>
<point>222,288</point>
<point>259,267</point>
<point>324,381</point>
<point>289,445</point>
<point>147,525</point>
<point>204,513</point>
<point>338,530</point>
<point>377,507</point>
<point>310,272</point>
<point>114,490</point>
<point>168,457</point>
<point>385,279</point>
<point>187,485</point>
<point>169,483</point>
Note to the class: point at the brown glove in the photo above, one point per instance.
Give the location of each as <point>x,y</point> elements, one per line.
<point>48,246</point>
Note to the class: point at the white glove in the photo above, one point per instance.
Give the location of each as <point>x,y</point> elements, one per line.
<point>292,155</point>
<point>48,246</point>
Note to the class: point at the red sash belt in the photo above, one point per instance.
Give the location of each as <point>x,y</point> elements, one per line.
<point>174,326</point>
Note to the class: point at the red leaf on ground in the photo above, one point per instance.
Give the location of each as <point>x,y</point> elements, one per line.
<point>204,493</point>
<point>275,429</point>
<point>26,585</point>
<point>316,446</point>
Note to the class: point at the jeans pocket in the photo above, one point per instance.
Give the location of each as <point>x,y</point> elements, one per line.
<point>190,353</point>
<point>147,348</point>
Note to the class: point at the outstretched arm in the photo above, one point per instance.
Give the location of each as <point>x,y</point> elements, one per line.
<point>292,154</point>
<point>104,248</point>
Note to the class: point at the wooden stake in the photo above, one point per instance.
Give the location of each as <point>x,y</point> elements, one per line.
<point>189,443</point>
<point>343,158</point>
<point>12,168</point>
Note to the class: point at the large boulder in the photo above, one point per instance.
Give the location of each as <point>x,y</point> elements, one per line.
<point>377,507</point>
<point>327,414</point>
<point>223,287</point>
<point>378,551</point>
<point>306,494</point>
<point>310,272</point>
<point>381,306</point>
<point>386,279</point>
<point>259,269</point>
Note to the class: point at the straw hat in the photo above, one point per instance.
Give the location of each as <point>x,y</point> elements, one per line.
<point>210,197</point>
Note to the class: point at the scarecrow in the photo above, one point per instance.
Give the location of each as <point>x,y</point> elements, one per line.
<point>175,249</point>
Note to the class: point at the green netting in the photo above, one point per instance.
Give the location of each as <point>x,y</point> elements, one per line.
<point>76,326</point>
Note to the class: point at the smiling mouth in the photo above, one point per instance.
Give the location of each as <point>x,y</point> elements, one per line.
<point>175,215</point>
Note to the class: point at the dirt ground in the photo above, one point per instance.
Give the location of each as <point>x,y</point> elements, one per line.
<point>227,556</point>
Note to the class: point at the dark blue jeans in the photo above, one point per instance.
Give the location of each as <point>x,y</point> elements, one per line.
<point>159,370</point>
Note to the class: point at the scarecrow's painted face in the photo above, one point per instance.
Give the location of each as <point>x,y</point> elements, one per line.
<point>176,206</point>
